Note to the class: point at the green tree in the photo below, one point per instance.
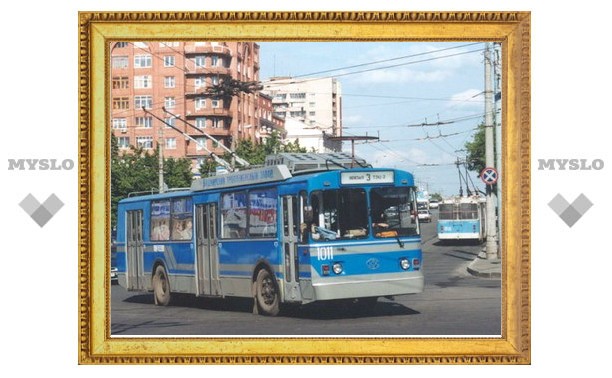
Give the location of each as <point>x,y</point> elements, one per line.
<point>137,170</point>
<point>476,160</point>
<point>436,197</point>
<point>254,153</point>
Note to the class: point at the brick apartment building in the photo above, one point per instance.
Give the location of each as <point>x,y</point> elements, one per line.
<point>174,76</point>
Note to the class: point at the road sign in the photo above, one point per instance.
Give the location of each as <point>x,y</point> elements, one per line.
<point>489,176</point>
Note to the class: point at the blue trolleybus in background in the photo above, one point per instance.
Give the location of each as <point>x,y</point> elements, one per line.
<point>301,228</point>
<point>462,218</point>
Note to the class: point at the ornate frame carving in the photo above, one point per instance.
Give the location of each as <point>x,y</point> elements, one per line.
<point>512,29</point>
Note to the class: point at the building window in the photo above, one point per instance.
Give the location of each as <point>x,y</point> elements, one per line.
<point>214,59</point>
<point>146,122</point>
<point>169,102</point>
<point>169,82</point>
<point>169,44</point>
<point>121,82</point>
<point>200,61</point>
<point>120,45</point>
<point>119,123</point>
<point>142,61</point>
<point>217,123</point>
<point>200,103</point>
<point>169,61</point>
<point>143,82</point>
<point>143,101</point>
<point>171,143</point>
<point>200,122</point>
<point>121,103</point>
<point>123,142</point>
<point>201,143</point>
<point>200,81</point>
<point>312,114</point>
<point>215,103</point>
<point>145,142</point>
<point>215,79</point>
<point>297,114</point>
<point>120,62</point>
<point>312,104</point>
<point>170,121</point>
<point>297,95</point>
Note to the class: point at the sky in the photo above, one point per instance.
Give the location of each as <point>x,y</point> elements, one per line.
<point>389,89</point>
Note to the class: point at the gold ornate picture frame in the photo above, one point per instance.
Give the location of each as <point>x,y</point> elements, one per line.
<point>96,29</point>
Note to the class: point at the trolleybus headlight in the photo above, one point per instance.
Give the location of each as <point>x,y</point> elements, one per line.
<point>404,263</point>
<point>337,267</point>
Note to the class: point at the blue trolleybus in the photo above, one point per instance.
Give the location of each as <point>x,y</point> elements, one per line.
<point>301,228</point>
<point>462,218</point>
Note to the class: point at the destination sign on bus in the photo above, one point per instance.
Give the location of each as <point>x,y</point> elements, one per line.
<point>246,177</point>
<point>373,177</point>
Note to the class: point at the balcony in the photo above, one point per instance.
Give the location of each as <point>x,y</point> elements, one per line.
<point>192,69</point>
<point>209,112</point>
<point>192,49</point>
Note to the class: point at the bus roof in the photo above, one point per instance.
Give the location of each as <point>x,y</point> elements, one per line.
<point>280,173</point>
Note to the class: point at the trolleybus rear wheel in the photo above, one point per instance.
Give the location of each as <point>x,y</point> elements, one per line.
<point>161,286</point>
<point>267,293</point>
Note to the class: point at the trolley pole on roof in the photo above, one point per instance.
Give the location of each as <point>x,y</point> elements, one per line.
<point>491,245</point>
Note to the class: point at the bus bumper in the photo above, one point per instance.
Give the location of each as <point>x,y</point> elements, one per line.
<point>363,286</point>
<point>458,235</point>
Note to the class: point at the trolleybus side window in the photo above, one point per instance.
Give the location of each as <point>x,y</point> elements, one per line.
<point>160,220</point>
<point>339,214</point>
<point>234,215</point>
<point>393,212</point>
<point>262,213</point>
<point>181,220</point>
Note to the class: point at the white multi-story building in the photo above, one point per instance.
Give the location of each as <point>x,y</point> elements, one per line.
<point>315,103</point>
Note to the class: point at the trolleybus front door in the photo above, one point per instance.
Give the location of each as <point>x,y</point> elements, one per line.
<point>135,249</point>
<point>207,255</point>
<point>289,243</point>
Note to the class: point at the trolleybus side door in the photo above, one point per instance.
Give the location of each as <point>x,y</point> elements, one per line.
<point>135,250</point>
<point>289,240</point>
<point>207,251</point>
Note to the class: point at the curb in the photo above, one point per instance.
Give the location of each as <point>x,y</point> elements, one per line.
<point>473,270</point>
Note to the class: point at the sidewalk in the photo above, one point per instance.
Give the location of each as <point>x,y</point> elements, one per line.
<point>483,267</point>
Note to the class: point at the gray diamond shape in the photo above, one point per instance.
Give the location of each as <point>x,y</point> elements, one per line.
<point>558,204</point>
<point>29,204</point>
<point>570,216</point>
<point>582,204</point>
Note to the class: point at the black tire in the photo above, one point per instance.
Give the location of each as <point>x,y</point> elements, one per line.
<point>266,293</point>
<point>161,287</point>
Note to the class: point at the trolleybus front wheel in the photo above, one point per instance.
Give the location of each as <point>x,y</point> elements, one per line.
<point>161,286</point>
<point>266,293</point>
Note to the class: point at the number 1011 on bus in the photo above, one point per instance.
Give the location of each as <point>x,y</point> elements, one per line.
<point>302,228</point>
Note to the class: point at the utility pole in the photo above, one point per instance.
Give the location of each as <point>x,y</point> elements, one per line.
<point>498,134</point>
<point>491,245</point>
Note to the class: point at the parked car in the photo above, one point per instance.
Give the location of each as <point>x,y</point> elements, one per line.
<point>424,216</point>
<point>433,204</point>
